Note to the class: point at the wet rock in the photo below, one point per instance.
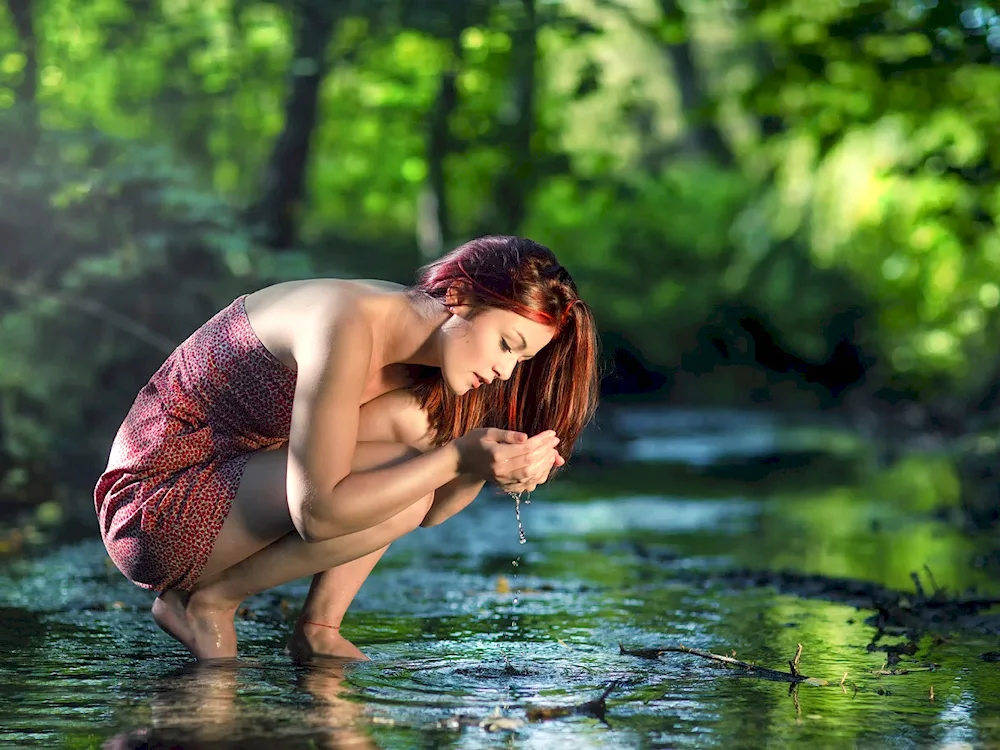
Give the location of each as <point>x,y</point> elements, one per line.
<point>501,724</point>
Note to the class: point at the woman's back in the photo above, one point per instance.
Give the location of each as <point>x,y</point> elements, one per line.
<point>228,387</point>
<point>220,392</point>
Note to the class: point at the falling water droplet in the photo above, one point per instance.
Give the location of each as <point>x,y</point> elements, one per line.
<point>517,513</point>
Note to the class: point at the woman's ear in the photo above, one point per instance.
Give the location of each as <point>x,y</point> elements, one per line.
<point>455,297</point>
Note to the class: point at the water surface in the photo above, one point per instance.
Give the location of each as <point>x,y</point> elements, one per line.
<point>459,636</point>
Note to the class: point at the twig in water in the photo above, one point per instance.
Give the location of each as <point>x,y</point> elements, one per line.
<point>916,582</point>
<point>794,663</point>
<point>765,672</point>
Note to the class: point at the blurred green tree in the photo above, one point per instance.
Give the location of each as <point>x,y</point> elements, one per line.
<point>766,183</point>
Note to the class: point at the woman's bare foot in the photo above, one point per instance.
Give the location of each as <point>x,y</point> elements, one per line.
<point>310,641</point>
<point>206,630</point>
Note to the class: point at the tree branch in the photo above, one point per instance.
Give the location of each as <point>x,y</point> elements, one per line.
<point>94,309</point>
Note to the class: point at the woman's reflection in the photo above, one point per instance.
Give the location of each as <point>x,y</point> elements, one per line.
<point>213,704</point>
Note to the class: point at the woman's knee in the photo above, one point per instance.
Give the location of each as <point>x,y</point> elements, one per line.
<point>417,512</point>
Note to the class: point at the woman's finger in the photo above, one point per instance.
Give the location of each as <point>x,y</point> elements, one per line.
<point>518,455</point>
<point>518,465</point>
<point>505,436</point>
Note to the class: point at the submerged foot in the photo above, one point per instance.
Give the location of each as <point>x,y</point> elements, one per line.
<point>206,631</point>
<point>311,641</point>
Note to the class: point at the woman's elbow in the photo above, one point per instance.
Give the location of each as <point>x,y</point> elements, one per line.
<point>311,531</point>
<point>316,517</point>
<point>311,527</point>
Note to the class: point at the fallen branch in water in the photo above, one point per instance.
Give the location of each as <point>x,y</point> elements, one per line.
<point>765,672</point>
<point>596,708</point>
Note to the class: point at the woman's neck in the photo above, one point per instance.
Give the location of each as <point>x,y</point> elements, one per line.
<point>408,324</point>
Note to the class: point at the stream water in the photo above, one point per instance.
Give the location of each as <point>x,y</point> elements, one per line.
<point>470,632</point>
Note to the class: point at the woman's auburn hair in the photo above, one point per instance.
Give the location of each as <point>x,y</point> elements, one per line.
<point>555,390</point>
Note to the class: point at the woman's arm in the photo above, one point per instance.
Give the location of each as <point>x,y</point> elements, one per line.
<point>397,417</point>
<point>333,354</point>
<point>459,492</point>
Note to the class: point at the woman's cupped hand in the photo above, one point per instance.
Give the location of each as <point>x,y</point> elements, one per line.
<point>515,461</point>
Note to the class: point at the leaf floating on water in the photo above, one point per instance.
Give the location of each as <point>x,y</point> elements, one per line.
<point>503,585</point>
<point>541,713</point>
<point>12,542</point>
<point>597,708</point>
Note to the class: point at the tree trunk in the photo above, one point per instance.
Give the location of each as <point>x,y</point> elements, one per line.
<point>702,133</point>
<point>434,220</point>
<point>22,12</point>
<point>434,229</point>
<point>275,216</point>
<point>516,183</point>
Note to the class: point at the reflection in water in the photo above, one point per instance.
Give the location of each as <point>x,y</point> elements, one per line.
<point>199,701</point>
<point>333,711</point>
<point>203,705</point>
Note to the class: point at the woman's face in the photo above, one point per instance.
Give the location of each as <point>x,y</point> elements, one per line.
<point>479,346</point>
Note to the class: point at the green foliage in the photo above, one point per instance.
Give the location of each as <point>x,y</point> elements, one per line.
<point>118,255</point>
<point>863,173</point>
<point>886,165</point>
<point>646,247</point>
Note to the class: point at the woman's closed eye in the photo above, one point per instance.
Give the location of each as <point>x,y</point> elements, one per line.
<point>505,346</point>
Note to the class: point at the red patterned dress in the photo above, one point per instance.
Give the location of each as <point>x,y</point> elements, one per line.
<point>177,460</point>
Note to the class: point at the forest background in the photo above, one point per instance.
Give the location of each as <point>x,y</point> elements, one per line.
<point>780,204</point>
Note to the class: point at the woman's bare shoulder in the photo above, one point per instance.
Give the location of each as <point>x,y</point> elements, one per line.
<point>294,300</point>
<point>286,315</point>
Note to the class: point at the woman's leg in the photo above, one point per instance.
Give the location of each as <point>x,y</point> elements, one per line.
<point>330,594</point>
<point>258,549</point>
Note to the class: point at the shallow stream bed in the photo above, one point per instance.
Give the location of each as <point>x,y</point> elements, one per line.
<point>471,633</point>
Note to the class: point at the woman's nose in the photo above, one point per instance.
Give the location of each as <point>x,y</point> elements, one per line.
<point>505,370</point>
